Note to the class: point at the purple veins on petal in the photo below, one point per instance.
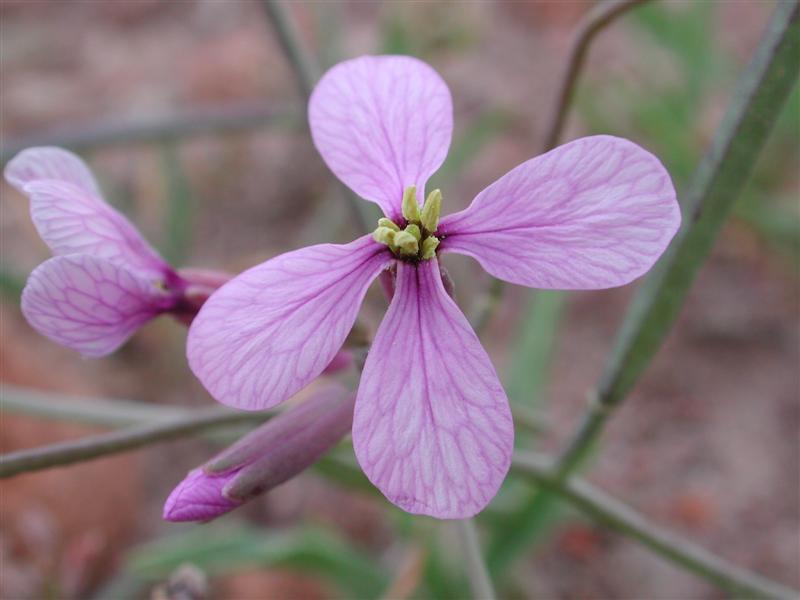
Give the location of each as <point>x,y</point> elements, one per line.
<point>89,304</point>
<point>50,163</point>
<point>270,331</point>
<point>382,124</point>
<point>432,426</point>
<point>593,213</point>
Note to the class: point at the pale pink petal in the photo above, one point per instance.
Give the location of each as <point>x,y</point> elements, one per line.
<point>270,331</point>
<point>50,163</point>
<point>432,427</point>
<point>382,123</point>
<point>74,221</point>
<point>199,498</point>
<point>89,304</point>
<point>594,213</point>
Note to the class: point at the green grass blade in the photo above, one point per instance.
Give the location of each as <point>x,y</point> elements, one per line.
<point>178,225</point>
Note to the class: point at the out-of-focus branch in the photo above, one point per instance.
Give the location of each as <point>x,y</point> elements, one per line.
<point>306,73</point>
<point>477,573</point>
<point>193,122</point>
<point>620,517</point>
<point>599,17</point>
<point>87,448</point>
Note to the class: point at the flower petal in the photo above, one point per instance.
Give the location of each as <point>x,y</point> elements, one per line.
<point>71,220</point>
<point>382,123</point>
<point>432,426</point>
<point>50,163</point>
<point>89,304</point>
<point>270,331</point>
<point>594,213</point>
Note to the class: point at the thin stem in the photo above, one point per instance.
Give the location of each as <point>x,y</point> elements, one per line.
<point>600,16</point>
<point>477,573</point>
<point>487,303</point>
<point>87,448</point>
<point>306,73</point>
<point>620,517</point>
<point>78,409</point>
<point>85,136</point>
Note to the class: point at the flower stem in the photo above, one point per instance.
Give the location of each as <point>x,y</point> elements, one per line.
<point>306,73</point>
<point>618,516</point>
<point>600,16</point>
<point>87,448</point>
<point>477,573</point>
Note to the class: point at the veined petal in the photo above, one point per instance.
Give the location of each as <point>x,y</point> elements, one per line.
<point>50,163</point>
<point>72,220</point>
<point>432,426</point>
<point>89,304</point>
<point>382,124</point>
<point>594,213</point>
<point>270,331</point>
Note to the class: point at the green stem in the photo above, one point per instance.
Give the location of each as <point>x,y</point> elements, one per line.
<point>90,447</point>
<point>601,16</point>
<point>477,573</point>
<point>620,517</point>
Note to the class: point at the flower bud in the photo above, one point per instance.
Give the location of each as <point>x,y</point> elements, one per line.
<point>264,458</point>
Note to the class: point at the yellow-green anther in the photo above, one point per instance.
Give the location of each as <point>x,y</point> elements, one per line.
<point>384,222</point>
<point>432,210</point>
<point>414,230</point>
<point>429,247</point>
<point>410,206</point>
<point>406,243</point>
<point>384,235</point>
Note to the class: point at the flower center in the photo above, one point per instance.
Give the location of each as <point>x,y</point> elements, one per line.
<point>416,241</point>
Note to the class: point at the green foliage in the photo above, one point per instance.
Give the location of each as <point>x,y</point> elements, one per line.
<point>178,223</point>
<point>219,549</point>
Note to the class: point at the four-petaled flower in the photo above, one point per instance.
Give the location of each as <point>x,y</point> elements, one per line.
<point>432,427</point>
<point>105,281</point>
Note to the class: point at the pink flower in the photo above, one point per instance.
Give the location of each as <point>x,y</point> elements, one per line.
<point>105,281</point>
<point>432,427</point>
<point>265,458</point>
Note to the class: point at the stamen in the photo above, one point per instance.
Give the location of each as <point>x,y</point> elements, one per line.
<point>384,235</point>
<point>384,222</point>
<point>429,246</point>
<point>431,211</point>
<point>414,230</point>
<point>410,206</point>
<point>406,243</point>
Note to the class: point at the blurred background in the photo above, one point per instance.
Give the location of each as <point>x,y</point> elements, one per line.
<point>707,444</point>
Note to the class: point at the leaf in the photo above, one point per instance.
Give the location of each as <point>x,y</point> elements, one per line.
<point>224,549</point>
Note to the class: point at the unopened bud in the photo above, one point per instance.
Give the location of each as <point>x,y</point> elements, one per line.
<point>432,210</point>
<point>263,459</point>
<point>410,206</point>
